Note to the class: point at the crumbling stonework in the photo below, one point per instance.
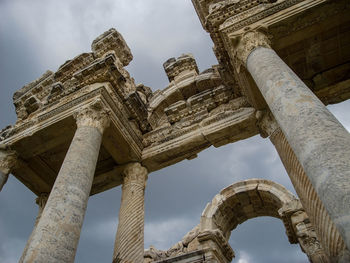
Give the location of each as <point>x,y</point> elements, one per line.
<point>88,127</point>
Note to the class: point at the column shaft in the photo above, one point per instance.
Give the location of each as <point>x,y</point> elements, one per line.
<point>326,231</point>
<point>320,142</point>
<point>56,236</point>
<point>41,201</point>
<point>129,242</point>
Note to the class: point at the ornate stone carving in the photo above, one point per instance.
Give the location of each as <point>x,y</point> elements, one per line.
<point>135,173</point>
<point>307,237</point>
<point>266,123</point>
<point>42,199</point>
<point>174,67</point>
<point>8,160</point>
<point>112,41</point>
<point>180,248</point>
<point>243,44</point>
<point>94,115</point>
<point>32,97</point>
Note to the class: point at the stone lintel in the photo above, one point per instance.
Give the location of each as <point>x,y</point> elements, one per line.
<point>227,127</point>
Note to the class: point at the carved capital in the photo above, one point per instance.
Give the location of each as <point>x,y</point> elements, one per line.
<point>41,200</point>
<point>243,44</point>
<point>135,173</point>
<point>94,115</point>
<point>267,124</point>
<point>8,160</point>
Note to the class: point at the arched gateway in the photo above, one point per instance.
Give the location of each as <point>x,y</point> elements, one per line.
<point>233,206</point>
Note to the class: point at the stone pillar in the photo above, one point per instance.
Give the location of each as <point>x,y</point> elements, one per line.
<point>129,242</point>
<point>327,233</point>
<point>41,202</point>
<point>7,162</point>
<point>56,236</point>
<point>320,142</point>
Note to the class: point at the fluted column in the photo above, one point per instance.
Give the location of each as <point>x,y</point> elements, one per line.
<point>56,236</point>
<point>320,142</point>
<point>41,202</point>
<point>129,242</point>
<point>327,233</point>
<point>7,162</point>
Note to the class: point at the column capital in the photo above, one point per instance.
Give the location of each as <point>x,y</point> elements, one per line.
<point>267,124</point>
<point>8,160</point>
<point>94,115</point>
<point>244,43</point>
<point>135,173</point>
<point>42,199</point>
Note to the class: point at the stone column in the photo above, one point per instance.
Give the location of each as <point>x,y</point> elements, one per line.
<point>129,242</point>
<point>41,202</point>
<point>56,236</point>
<point>327,233</point>
<point>320,142</point>
<point>7,162</point>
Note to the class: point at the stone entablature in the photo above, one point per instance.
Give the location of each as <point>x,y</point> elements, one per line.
<point>288,22</point>
<point>105,64</point>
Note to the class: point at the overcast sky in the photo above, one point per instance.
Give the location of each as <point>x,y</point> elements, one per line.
<point>38,35</point>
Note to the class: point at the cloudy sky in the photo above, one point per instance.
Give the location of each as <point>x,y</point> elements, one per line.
<point>38,35</point>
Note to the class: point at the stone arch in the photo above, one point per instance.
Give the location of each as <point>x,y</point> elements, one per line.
<point>234,205</point>
<point>245,200</point>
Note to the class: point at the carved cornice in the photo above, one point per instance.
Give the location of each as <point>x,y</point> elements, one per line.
<point>8,160</point>
<point>243,44</point>
<point>135,173</point>
<point>95,115</point>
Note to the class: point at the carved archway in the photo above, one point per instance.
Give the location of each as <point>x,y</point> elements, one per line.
<point>258,197</point>
<point>234,205</point>
<point>245,200</point>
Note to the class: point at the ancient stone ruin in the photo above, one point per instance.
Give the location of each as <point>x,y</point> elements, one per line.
<point>88,127</point>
